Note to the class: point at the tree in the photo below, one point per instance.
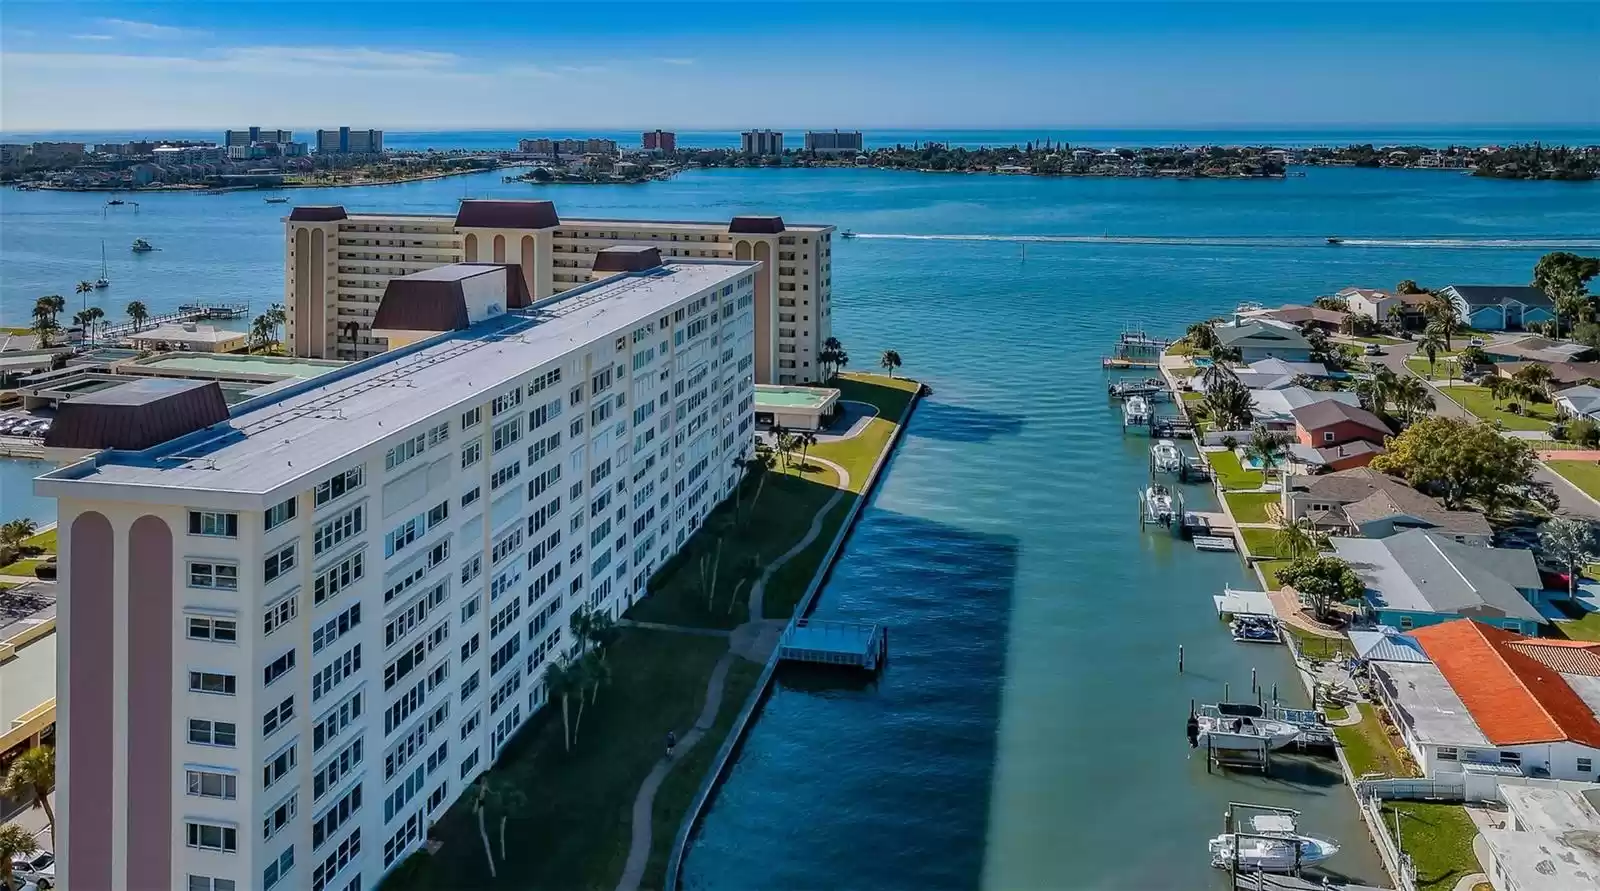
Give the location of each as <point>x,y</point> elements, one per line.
<point>480,806</point>
<point>1564,274</point>
<point>563,679</point>
<point>1266,446</point>
<point>1433,343</point>
<point>1396,316</point>
<point>1584,432</point>
<point>1536,376</point>
<point>1322,581</point>
<point>137,314</point>
<point>54,303</point>
<point>1496,385</point>
<point>1407,286</point>
<point>260,331</point>
<point>786,445</point>
<point>15,844</point>
<point>1445,315</point>
<point>758,466</point>
<point>32,777</point>
<point>1214,374</point>
<point>85,288</point>
<point>44,326</point>
<point>15,532</point>
<point>829,356</point>
<point>1296,538</point>
<point>807,439</point>
<point>890,361</point>
<point>1574,543</point>
<point>1229,405</point>
<point>95,315</point>
<point>1411,397</point>
<point>277,318</point>
<point>1330,302</point>
<point>1460,461</point>
<point>1201,336</point>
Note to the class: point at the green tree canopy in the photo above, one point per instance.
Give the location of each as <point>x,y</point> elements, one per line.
<point>1564,274</point>
<point>1322,581</point>
<point>1460,461</point>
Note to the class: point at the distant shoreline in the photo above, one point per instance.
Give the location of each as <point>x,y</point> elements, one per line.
<point>213,190</point>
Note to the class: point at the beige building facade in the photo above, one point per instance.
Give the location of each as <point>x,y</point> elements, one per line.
<point>337,265</point>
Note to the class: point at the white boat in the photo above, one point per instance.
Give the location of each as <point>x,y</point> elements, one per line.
<point>1270,853</point>
<point>140,246</point>
<point>1158,505</point>
<point>278,200</point>
<point>1248,306</point>
<point>1242,727</point>
<point>102,282</point>
<point>1165,456</point>
<point>1135,411</point>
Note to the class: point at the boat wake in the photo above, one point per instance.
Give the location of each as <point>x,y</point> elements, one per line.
<point>1553,242</point>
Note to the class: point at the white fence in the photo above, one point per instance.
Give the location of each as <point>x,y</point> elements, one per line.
<point>1396,860</point>
<point>1450,787</point>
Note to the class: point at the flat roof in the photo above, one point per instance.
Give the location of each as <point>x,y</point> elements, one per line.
<point>1432,708</point>
<point>224,363</point>
<point>570,222</point>
<point>24,606</point>
<point>1540,809</point>
<point>1545,859</point>
<point>454,272</point>
<point>199,334</point>
<point>285,436</point>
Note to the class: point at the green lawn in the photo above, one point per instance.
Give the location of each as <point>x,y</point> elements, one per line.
<point>21,567</point>
<point>1181,348</point>
<point>574,831</point>
<point>1230,473</point>
<point>890,395</point>
<point>1439,839</point>
<point>1190,396</point>
<point>1261,542</point>
<point>37,547</point>
<point>1441,367</point>
<point>1583,474</point>
<point>1335,712</point>
<point>1554,445</point>
<point>1269,568</point>
<point>1368,749</point>
<point>1586,628</point>
<point>1536,416</point>
<point>1250,507</point>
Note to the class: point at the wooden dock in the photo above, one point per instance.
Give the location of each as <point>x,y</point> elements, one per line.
<point>1258,881</point>
<point>190,313</point>
<point>828,642</point>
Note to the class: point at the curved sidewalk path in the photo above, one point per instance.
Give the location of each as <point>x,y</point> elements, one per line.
<point>754,640</point>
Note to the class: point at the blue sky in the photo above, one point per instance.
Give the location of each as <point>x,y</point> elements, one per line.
<point>712,65</point>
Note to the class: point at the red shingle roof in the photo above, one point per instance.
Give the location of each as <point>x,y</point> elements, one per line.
<point>1514,698</point>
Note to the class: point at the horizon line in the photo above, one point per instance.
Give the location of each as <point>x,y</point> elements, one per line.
<point>1216,127</point>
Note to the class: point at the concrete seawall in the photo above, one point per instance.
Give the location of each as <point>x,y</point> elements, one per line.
<point>746,716</point>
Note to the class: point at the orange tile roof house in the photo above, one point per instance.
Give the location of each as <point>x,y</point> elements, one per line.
<point>1493,697</point>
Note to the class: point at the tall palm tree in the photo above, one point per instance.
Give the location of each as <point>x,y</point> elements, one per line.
<point>1411,397</point>
<point>1201,336</point>
<point>55,302</point>
<point>1537,377</point>
<point>1443,312</point>
<point>1496,385</point>
<point>1433,342</point>
<point>759,467</point>
<point>137,313</point>
<point>480,806</point>
<point>1219,370</point>
<point>96,317</point>
<point>890,361</point>
<point>563,679</point>
<point>80,320</point>
<point>1295,538</point>
<point>32,776</point>
<point>85,288</point>
<point>807,440</point>
<point>1267,447</point>
<point>261,332</point>
<point>44,325</point>
<point>1384,383</point>
<point>1230,405</point>
<point>15,843</point>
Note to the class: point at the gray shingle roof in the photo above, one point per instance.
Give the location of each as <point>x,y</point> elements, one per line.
<point>1477,296</point>
<point>1329,412</point>
<point>1368,495</point>
<point>1260,332</point>
<point>1426,572</point>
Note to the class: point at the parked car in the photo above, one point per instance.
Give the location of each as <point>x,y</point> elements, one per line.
<point>1372,349</point>
<point>1477,342</point>
<point>38,870</point>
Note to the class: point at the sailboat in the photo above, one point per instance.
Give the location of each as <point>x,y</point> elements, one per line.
<point>102,281</point>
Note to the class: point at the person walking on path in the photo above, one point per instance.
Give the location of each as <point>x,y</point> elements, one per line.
<point>672,742</point>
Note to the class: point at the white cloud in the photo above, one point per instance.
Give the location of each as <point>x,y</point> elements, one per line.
<point>92,37</point>
<point>148,30</point>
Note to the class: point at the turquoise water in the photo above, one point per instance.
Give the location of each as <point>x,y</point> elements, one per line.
<point>1028,729</point>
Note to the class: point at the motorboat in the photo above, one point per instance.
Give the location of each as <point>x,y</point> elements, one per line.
<point>1334,239</point>
<point>1148,387</point>
<point>1158,504</point>
<point>1269,852</point>
<point>116,201</point>
<point>1256,629</point>
<point>1136,406</point>
<point>847,234</point>
<point>1240,726</point>
<point>1165,457</point>
<point>1248,306</point>
<point>278,200</point>
<point>140,246</point>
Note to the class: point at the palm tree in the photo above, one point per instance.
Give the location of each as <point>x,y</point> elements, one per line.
<point>1230,405</point>
<point>95,315</point>
<point>1384,384</point>
<point>1537,377</point>
<point>1295,538</point>
<point>598,674</point>
<point>1201,336</point>
<point>562,679</point>
<point>54,302</point>
<point>480,806</point>
<point>44,325</point>
<point>1433,342</point>
<point>15,843</point>
<point>15,532</point>
<point>80,320</point>
<point>508,799</point>
<point>1496,385</point>
<point>890,361</point>
<point>828,357</point>
<point>759,466</point>
<point>1396,316</point>
<point>32,776</point>
<point>137,313</point>
<point>85,288</point>
<point>786,445</point>
<point>1411,396</point>
<point>261,331</point>
<point>1266,446</point>
<point>1444,314</point>
<point>1218,371</point>
<point>807,440</point>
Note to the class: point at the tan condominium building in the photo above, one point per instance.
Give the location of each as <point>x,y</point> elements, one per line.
<point>337,265</point>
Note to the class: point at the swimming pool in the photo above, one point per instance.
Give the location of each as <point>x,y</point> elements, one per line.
<point>1202,361</point>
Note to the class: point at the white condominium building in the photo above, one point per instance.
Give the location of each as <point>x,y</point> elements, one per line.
<point>299,630</point>
<point>337,265</point>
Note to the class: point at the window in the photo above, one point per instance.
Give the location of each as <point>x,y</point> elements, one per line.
<point>211,784</point>
<point>506,434</point>
<point>505,402</point>
<point>438,433</point>
<point>405,451</point>
<point>336,578</point>
<point>278,868</point>
<point>209,883</point>
<point>211,682</point>
<point>1585,765</point>
<point>505,475</point>
<point>471,496</point>
<point>217,576</point>
<point>213,523</point>
<point>471,453</point>
<point>212,837</point>
<point>280,613</point>
<point>338,486</point>
<point>337,815</point>
<point>277,766</point>
<point>279,816</point>
<point>470,762</point>
<point>1511,759</point>
<point>343,666</point>
<point>471,570</point>
<point>205,732</point>
<point>335,628</point>
<point>408,702</point>
<point>277,716</point>
<point>279,562</point>
<point>337,859</point>
<point>213,628</point>
<point>469,687</point>
<point>278,514</point>
<point>277,668</point>
<point>471,417</point>
<point>1448,753</point>
<point>335,720</point>
<point>1405,623</point>
<point>336,768</point>
<point>330,534</point>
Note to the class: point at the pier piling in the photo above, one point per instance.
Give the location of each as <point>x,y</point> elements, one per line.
<point>1180,658</point>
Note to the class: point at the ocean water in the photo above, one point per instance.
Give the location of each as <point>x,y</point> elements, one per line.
<point>1027,731</point>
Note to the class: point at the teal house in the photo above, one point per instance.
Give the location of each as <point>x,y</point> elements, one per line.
<point>1420,578</point>
<point>1500,307</point>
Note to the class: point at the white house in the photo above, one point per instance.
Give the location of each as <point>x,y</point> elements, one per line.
<point>1579,402</point>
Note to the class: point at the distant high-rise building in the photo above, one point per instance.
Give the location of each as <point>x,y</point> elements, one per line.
<point>345,141</point>
<point>251,135</point>
<point>833,142</point>
<point>763,142</point>
<point>569,147</point>
<point>663,141</point>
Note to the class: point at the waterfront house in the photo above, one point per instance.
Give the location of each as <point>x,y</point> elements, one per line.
<point>1258,339</point>
<point>1275,408</point>
<point>1385,645</point>
<point>1363,502</point>
<point>1500,307</point>
<point>1375,304</point>
<point>1302,317</point>
<point>1579,402</point>
<point>1345,435</point>
<point>1276,374</point>
<point>1492,701</point>
<point>1418,578</point>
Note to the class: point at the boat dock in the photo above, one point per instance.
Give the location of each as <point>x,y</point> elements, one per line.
<point>1214,543</point>
<point>1262,881</point>
<point>828,642</point>
<point>190,313</point>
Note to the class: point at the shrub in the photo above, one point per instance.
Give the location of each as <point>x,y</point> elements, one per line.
<point>1514,407</point>
<point>1584,432</point>
<point>1230,442</point>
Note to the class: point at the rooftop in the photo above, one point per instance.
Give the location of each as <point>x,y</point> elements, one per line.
<point>1430,705</point>
<point>1569,859</point>
<point>1494,295</point>
<point>1513,698</point>
<point>323,421</point>
<point>1543,809</point>
<point>1421,571</point>
<point>1369,495</point>
<point>229,364</point>
<point>188,334</point>
<point>1387,645</point>
<point>1329,412</point>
